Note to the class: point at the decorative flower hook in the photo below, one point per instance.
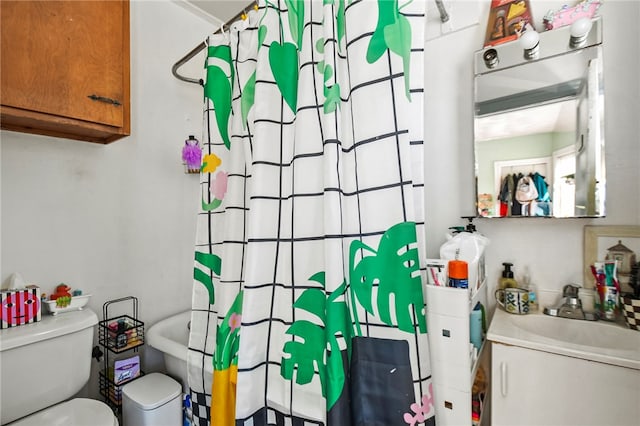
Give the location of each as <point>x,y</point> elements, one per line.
<point>192,155</point>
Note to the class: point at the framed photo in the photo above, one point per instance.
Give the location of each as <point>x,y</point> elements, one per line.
<point>597,239</point>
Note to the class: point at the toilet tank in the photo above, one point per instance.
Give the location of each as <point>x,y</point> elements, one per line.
<point>44,363</point>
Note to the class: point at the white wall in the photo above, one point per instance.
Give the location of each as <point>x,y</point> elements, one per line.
<point>118,219</point>
<point>115,219</point>
<point>551,248</point>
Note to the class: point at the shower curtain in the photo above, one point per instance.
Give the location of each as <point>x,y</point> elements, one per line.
<point>307,305</point>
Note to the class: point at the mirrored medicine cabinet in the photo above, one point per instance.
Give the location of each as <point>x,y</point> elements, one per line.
<point>539,127</point>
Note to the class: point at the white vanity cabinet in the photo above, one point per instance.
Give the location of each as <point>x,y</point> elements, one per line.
<point>453,365</point>
<point>534,387</point>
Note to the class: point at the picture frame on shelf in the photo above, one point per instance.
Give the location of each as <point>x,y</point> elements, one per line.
<point>599,238</point>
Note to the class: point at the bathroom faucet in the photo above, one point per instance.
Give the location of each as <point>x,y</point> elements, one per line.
<point>571,306</point>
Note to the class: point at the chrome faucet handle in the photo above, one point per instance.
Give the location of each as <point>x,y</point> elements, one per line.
<point>570,290</point>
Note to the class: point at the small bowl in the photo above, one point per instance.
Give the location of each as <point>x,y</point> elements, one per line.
<point>76,304</point>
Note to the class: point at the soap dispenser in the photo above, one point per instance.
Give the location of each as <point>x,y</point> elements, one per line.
<point>507,279</point>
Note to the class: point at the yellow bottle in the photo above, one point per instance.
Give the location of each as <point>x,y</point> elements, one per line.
<point>507,279</point>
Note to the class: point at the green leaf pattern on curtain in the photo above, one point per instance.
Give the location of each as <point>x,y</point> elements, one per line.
<point>283,59</point>
<point>248,98</point>
<point>296,20</point>
<point>339,18</point>
<point>340,22</point>
<point>309,351</point>
<point>283,56</point>
<point>331,91</point>
<point>249,91</point>
<point>393,32</point>
<point>218,88</point>
<point>395,269</point>
<point>214,264</point>
<point>228,336</point>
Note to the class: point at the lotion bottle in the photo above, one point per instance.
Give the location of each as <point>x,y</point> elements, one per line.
<point>507,279</point>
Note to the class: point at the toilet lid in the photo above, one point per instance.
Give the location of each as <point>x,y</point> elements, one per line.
<point>76,412</point>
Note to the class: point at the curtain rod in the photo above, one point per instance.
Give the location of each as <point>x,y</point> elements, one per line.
<point>444,17</point>
<point>203,45</point>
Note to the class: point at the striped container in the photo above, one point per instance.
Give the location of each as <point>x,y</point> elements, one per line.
<point>19,306</point>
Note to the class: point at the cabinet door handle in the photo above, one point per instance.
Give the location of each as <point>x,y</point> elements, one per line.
<point>95,97</point>
<point>503,379</point>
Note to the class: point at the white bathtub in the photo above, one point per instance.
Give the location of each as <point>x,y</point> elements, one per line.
<point>171,337</point>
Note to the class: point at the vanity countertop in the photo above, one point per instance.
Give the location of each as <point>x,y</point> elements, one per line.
<point>607,342</point>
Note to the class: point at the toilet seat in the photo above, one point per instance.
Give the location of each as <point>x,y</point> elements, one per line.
<point>75,412</point>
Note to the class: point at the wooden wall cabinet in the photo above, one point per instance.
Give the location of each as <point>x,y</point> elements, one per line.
<point>65,69</point>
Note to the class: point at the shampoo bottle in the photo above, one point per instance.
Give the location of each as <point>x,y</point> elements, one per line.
<point>507,279</point>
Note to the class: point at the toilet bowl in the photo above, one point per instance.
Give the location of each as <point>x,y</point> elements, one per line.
<point>42,366</point>
<point>75,412</point>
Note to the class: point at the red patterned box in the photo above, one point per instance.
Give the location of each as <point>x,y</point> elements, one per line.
<point>19,307</point>
<point>507,19</point>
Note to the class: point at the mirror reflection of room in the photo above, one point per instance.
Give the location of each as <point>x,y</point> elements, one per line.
<point>539,145</point>
<point>510,156</point>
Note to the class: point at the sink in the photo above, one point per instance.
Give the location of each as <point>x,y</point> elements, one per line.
<point>607,342</point>
<point>598,335</point>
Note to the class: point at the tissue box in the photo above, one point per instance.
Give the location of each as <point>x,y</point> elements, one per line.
<point>507,19</point>
<point>126,369</point>
<point>19,306</point>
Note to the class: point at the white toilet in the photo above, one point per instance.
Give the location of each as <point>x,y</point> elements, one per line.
<point>42,366</point>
